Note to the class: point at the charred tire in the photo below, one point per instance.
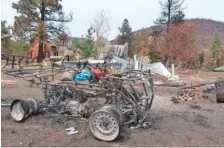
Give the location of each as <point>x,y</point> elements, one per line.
<point>219,83</point>
<point>220,95</point>
<point>22,109</point>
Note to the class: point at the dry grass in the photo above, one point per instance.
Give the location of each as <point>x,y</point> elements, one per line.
<point>192,76</point>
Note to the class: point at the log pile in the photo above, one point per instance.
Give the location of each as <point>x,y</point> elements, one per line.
<point>189,94</point>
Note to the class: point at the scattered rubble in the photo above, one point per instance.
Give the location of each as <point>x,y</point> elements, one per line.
<point>188,95</point>
<point>208,88</point>
<point>198,91</point>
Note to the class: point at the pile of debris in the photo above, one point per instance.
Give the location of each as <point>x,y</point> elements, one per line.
<point>208,88</point>
<point>199,91</point>
<point>189,94</point>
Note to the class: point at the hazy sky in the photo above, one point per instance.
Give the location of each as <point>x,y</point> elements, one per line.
<point>140,13</point>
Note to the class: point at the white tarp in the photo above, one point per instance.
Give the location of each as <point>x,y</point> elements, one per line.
<point>101,55</point>
<point>157,68</point>
<point>96,61</point>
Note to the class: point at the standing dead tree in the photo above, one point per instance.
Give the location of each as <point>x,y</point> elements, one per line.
<point>101,26</point>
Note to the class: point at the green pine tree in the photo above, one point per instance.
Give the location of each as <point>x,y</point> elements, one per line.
<point>5,36</point>
<point>172,13</point>
<point>216,46</point>
<point>126,36</point>
<point>87,47</point>
<point>44,18</point>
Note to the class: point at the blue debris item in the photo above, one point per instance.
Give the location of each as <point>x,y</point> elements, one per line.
<point>83,76</point>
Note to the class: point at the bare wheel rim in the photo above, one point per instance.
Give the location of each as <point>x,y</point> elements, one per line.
<point>104,125</point>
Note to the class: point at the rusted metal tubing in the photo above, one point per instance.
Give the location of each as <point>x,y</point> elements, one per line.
<point>136,94</point>
<point>145,89</point>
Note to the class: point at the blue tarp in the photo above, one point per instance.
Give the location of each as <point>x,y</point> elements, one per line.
<point>83,76</point>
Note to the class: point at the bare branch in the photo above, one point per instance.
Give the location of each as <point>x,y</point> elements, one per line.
<point>101,24</point>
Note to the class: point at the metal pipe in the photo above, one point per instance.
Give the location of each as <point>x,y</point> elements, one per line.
<point>145,89</point>
<point>138,97</point>
<point>133,104</point>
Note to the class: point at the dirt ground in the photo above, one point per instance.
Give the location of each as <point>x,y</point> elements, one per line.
<point>199,123</point>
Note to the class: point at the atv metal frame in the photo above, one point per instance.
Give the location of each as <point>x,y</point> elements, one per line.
<point>117,89</point>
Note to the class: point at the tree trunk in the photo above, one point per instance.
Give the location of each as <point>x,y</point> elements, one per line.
<point>166,61</point>
<point>40,53</point>
<point>41,41</point>
<point>180,64</point>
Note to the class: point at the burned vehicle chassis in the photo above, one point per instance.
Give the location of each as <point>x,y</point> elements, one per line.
<point>118,100</point>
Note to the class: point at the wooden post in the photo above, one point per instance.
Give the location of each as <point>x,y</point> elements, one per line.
<point>13,61</point>
<point>135,62</point>
<point>172,72</point>
<point>30,60</point>
<point>31,54</point>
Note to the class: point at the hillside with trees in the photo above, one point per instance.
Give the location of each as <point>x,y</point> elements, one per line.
<point>206,35</point>
<point>204,30</point>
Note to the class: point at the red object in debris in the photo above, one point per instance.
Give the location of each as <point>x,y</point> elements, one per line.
<point>97,72</point>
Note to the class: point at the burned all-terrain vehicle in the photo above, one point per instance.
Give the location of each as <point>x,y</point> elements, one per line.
<point>123,99</point>
<point>116,101</point>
